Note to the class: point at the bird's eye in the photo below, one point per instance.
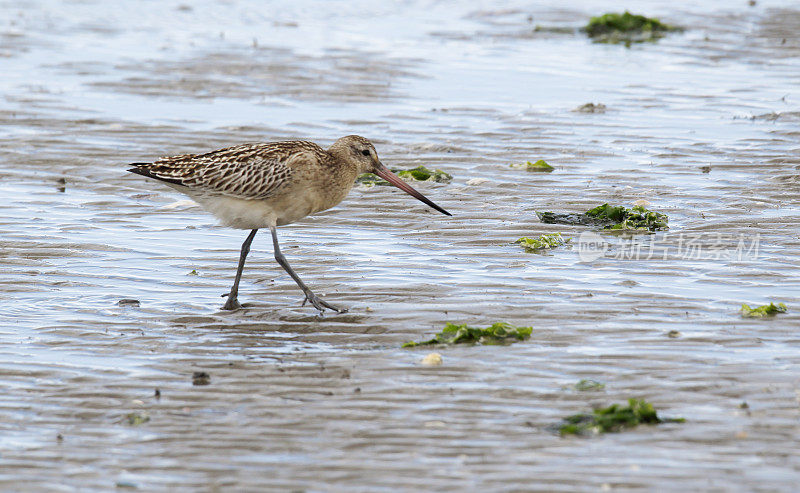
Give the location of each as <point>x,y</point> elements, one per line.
<point>365,152</point>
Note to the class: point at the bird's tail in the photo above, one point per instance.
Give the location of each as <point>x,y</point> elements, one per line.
<point>144,170</point>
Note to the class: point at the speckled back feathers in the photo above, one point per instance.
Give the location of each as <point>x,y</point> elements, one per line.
<point>248,171</point>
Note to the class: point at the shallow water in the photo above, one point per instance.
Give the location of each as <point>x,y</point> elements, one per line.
<point>703,125</point>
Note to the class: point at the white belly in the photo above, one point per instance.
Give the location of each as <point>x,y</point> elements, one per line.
<point>253,214</point>
<point>284,208</point>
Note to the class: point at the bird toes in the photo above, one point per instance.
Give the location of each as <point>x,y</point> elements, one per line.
<point>321,304</point>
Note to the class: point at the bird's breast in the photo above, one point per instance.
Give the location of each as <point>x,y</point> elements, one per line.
<point>292,203</point>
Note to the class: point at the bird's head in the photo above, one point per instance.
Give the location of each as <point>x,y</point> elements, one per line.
<point>358,151</point>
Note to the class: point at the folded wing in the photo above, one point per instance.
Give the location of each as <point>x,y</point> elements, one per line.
<point>248,171</point>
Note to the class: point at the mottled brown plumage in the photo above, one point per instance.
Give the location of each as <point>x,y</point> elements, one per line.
<point>264,185</point>
<point>247,171</point>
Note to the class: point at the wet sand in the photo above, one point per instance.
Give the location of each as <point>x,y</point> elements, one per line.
<point>702,125</point>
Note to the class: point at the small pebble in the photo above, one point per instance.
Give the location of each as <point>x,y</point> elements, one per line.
<point>591,108</point>
<point>477,181</point>
<point>433,359</point>
<point>201,378</point>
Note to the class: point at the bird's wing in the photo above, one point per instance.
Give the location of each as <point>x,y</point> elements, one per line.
<point>248,171</point>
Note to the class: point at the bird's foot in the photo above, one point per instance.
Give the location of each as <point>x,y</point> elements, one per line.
<point>321,304</point>
<point>231,303</point>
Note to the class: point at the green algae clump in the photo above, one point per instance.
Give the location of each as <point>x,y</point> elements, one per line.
<point>540,166</point>
<point>763,310</point>
<point>626,28</point>
<point>420,173</point>
<point>636,218</point>
<point>495,334</point>
<point>543,242</point>
<point>611,218</point>
<point>136,419</point>
<point>538,28</point>
<point>368,179</point>
<point>585,385</point>
<point>613,418</point>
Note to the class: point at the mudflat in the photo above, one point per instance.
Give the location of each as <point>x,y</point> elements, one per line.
<point>119,370</point>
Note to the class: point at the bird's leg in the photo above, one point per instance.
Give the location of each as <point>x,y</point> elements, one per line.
<point>233,303</point>
<point>315,300</point>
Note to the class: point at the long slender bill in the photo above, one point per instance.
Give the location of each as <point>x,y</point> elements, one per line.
<point>395,180</point>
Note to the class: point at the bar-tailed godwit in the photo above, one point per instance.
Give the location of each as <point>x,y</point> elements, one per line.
<point>265,185</point>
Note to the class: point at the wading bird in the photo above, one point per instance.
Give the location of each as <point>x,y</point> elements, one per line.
<point>266,185</point>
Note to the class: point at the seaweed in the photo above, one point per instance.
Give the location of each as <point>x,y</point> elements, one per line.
<point>572,218</point>
<point>543,242</point>
<point>538,28</point>
<point>613,418</point>
<point>495,334</point>
<point>589,385</point>
<point>626,28</point>
<point>763,310</point>
<point>611,218</point>
<point>591,108</point>
<point>540,166</point>
<point>368,179</point>
<point>420,173</point>
<point>136,419</point>
<point>642,219</point>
